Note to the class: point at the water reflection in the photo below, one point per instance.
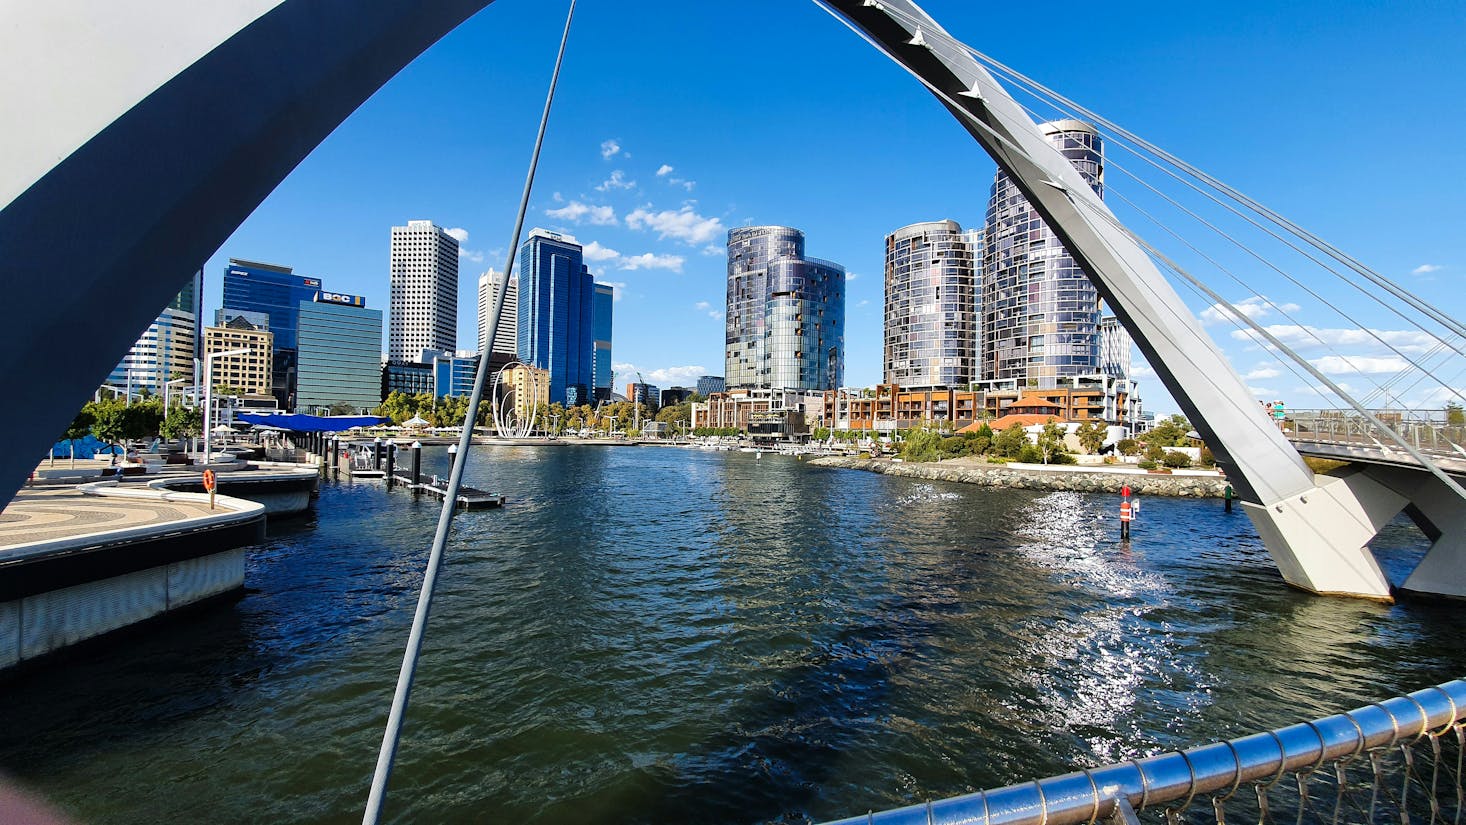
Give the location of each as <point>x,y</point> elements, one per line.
<point>649,635</point>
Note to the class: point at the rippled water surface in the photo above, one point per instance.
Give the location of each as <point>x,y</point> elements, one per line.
<point>655,635</point>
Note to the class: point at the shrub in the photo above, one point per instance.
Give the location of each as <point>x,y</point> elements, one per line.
<point>1146,464</point>
<point>1127,446</point>
<point>1207,459</point>
<point>1030,454</point>
<point>955,446</point>
<point>921,445</point>
<point>1155,452</point>
<point>1175,459</point>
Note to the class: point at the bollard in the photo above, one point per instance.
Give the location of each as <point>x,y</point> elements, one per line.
<point>1227,496</point>
<point>377,453</point>
<point>391,462</point>
<point>416,463</point>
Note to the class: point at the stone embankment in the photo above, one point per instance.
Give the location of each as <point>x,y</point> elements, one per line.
<point>1030,478</point>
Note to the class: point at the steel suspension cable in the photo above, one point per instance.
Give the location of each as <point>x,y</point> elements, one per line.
<point>1235,194</point>
<point>1083,200</point>
<point>392,735</point>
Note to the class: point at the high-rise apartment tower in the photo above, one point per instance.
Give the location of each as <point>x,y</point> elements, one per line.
<point>506,337</point>
<point>785,313</point>
<point>931,315</point>
<point>1040,313</point>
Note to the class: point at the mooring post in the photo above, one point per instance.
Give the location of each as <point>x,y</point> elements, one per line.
<point>391,462</point>
<point>416,463</point>
<point>377,453</point>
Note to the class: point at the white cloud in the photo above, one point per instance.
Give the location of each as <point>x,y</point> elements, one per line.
<point>713,249</point>
<point>1261,373</point>
<point>557,198</point>
<point>1254,307</point>
<point>1311,337</point>
<point>460,234</point>
<point>664,170</point>
<point>1141,370</point>
<point>685,224</point>
<point>648,260</point>
<point>863,302</point>
<point>610,148</point>
<point>850,276</point>
<point>1356,364</point>
<point>1426,269</point>
<point>616,181</point>
<point>593,251</point>
<point>577,212</point>
<point>704,305</point>
<point>664,377</point>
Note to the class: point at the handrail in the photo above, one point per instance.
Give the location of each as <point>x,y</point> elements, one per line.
<point>1155,781</point>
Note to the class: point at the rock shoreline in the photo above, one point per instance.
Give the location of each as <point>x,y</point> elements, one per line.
<point>1023,478</point>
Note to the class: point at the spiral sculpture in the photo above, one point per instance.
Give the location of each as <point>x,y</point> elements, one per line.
<point>506,419</point>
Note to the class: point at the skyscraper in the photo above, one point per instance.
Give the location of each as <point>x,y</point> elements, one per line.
<point>165,349</point>
<point>506,337</point>
<point>424,291</point>
<point>277,292</point>
<point>785,313</point>
<point>931,314</point>
<point>1040,313</point>
<point>556,310</point>
<point>1115,345</point>
<point>604,298</point>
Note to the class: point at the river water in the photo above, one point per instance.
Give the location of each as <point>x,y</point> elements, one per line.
<point>659,635</point>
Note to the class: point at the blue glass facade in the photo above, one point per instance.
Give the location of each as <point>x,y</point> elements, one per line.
<point>556,310</point>
<point>453,375</point>
<point>601,313</point>
<point>340,356</point>
<point>278,292</point>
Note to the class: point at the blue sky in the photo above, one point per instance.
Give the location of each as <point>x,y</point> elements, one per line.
<point>678,120</point>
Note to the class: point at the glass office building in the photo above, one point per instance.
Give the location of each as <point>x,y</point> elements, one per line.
<point>277,292</point>
<point>167,348</point>
<point>785,313</point>
<point>601,313</point>
<point>931,307</point>
<point>453,373</point>
<point>340,354</point>
<point>1040,313</point>
<point>556,312</point>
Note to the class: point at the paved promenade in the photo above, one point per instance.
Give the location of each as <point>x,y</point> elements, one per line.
<point>1101,479</point>
<point>48,514</point>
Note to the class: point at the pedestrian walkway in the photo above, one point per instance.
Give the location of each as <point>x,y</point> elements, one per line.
<point>47,515</point>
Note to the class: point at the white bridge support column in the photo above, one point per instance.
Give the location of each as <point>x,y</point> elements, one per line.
<point>1317,533</point>
<point>1438,512</point>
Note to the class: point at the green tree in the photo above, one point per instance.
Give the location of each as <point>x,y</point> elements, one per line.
<point>1206,459</point>
<point>182,422</point>
<point>1051,440</point>
<point>398,406</point>
<point>922,445</point>
<point>1154,452</point>
<point>1010,441</point>
<point>1170,432</point>
<point>955,446</point>
<point>1174,458</point>
<point>1127,446</point>
<point>109,421</point>
<point>1455,414</point>
<point>1091,435</point>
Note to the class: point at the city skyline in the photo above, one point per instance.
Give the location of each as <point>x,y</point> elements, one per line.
<point>649,195</point>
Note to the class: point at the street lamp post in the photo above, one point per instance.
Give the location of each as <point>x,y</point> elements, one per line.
<point>209,396</point>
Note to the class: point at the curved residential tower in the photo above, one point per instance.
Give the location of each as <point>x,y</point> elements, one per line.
<point>786,313</point>
<point>931,316</point>
<point>1040,313</point>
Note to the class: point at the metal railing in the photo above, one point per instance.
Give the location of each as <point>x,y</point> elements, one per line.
<point>1426,430</point>
<point>1396,761</point>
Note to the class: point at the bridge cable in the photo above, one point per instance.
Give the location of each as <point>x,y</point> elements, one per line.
<point>1423,371</point>
<point>1186,321</point>
<point>1081,200</point>
<point>930,30</point>
<point>392,735</point>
